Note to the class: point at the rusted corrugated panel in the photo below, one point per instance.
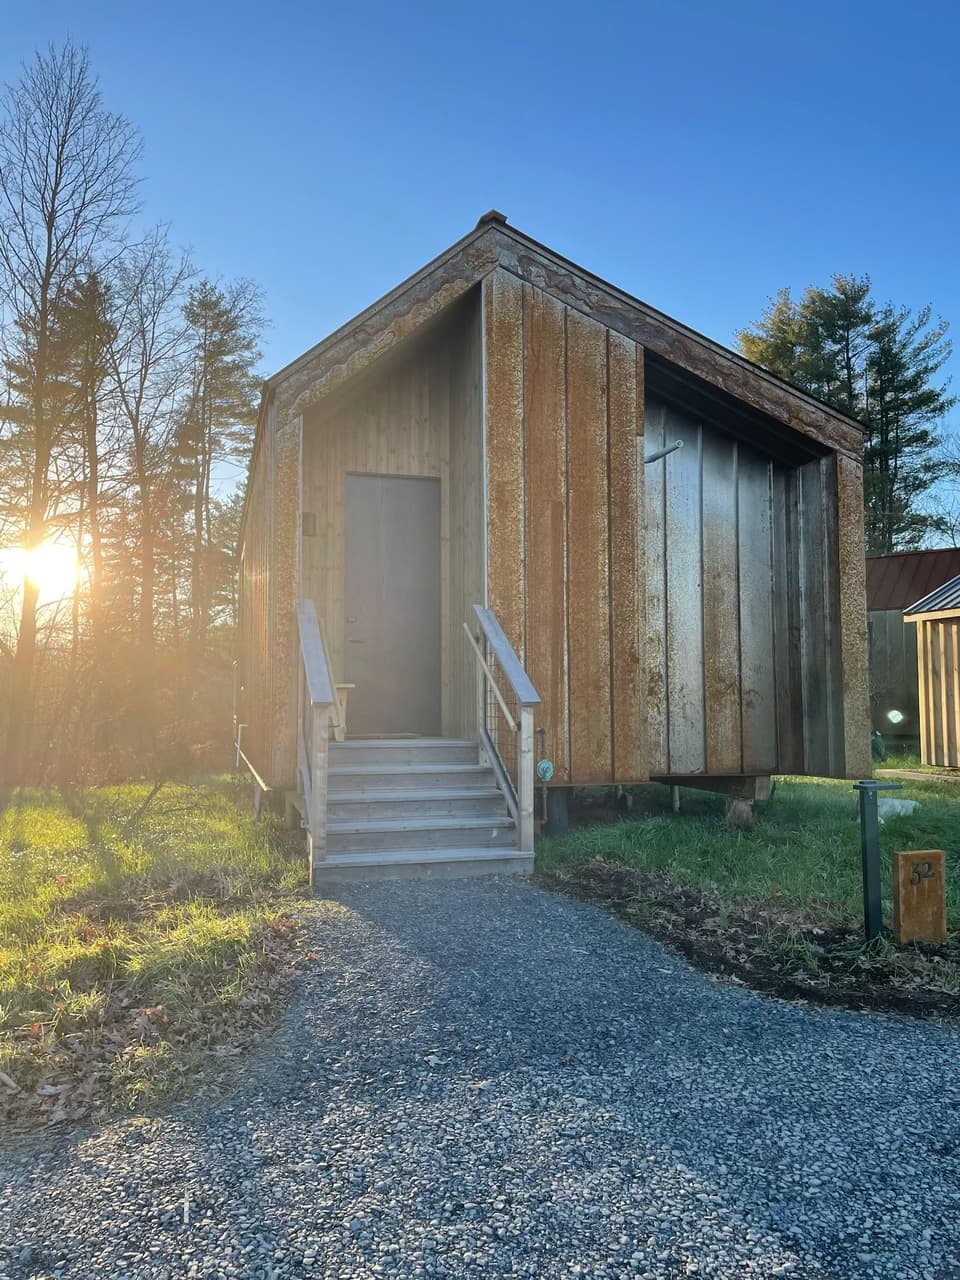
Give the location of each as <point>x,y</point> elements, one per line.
<point>757,684</point>
<point>853,676</point>
<point>545,506</point>
<point>589,572</point>
<point>897,581</point>
<point>625,416</point>
<point>503,398</point>
<point>721,604</point>
<point>655,568</point>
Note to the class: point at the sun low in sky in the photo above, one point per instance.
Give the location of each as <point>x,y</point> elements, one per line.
<point>52,567</point>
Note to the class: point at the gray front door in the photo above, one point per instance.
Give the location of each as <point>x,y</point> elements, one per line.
<point>392,605</point>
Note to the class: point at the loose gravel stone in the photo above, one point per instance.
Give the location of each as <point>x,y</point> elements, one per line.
<point>481,1079</point>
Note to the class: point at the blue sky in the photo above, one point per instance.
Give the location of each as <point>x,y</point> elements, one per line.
<point>699,154</point>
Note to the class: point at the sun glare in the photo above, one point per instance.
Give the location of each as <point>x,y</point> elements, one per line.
<point>52,568</point>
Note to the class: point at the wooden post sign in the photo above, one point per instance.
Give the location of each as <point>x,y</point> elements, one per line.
<point>919,896</point>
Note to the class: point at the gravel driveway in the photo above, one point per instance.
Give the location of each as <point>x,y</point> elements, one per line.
<point>480,1078</point>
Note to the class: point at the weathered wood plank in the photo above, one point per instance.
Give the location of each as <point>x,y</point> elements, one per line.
<point>684,582</point>
<point>655,565</point>
<point>625,399</point>
<point>788,635</point>
<point>757,657</point>
<point>589,571</point>
<point>813,622</point>
<point>545,512</point>
<point>503,399</point>
<point>953,745</point>
<point>721,604</point>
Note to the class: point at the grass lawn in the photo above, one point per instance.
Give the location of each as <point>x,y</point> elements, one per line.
<point>138,950</point>
<point>787,893</point>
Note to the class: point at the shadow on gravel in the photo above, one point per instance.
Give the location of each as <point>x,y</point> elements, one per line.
<point>799,1121</point>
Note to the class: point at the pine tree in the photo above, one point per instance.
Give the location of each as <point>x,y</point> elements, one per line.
<point>879,365</point>
<point>217,423</point>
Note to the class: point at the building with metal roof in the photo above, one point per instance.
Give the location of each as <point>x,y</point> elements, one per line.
<point>894,582</point>
<point>937,618</point>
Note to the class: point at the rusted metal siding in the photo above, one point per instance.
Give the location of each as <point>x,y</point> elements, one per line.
<point>563,411</point>
<point>627,602</point>
<point>545,513</point>
<point>852,622</point>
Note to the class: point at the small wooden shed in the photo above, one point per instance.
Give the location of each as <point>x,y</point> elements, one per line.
<point>894,581</point>
<point>467,505</point>
<point>937,617</point>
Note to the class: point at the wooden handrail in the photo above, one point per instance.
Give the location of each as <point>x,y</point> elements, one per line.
<point>510,664</point>
<point>501,653</point>
<point>512,724</point>
<point>316,663</point>
<point>317,707</point>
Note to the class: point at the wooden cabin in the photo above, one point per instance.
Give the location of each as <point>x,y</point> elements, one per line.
<point>894,582</point>
<point>937,617</point>
<point>510,531</point>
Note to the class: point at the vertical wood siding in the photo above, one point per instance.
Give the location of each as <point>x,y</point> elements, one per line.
<point>254,627</point>
<point>742,577</point>
<point>418,415</point>
<point>563,411</point>
<point>938,669</point>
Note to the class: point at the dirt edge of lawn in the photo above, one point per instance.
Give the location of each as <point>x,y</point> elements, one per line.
<point>774,953</point>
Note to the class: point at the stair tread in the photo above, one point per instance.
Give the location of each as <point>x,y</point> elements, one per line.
<point>387,857</point>
<point>386,794</point>
<point>349,744</point>
<point>385,766</point>
<point>426,823</point>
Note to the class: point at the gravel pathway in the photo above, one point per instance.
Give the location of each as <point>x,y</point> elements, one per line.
<point>480,1078</point>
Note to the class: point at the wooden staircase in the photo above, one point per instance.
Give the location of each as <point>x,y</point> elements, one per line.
<point>377,807</point>
<point>415,806</point>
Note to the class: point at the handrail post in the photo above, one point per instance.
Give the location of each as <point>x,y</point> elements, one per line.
<point>525,779</point>
<point>319,750</point>
<point>481,700</point>
<point>319,697</point>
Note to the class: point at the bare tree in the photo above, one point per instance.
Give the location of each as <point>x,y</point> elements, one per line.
<point>148,365</point>
<point>66,185</point>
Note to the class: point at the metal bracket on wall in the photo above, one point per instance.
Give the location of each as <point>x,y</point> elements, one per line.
<point>662,453</point>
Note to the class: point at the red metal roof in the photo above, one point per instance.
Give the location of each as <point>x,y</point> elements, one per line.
<point>897,581</point>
